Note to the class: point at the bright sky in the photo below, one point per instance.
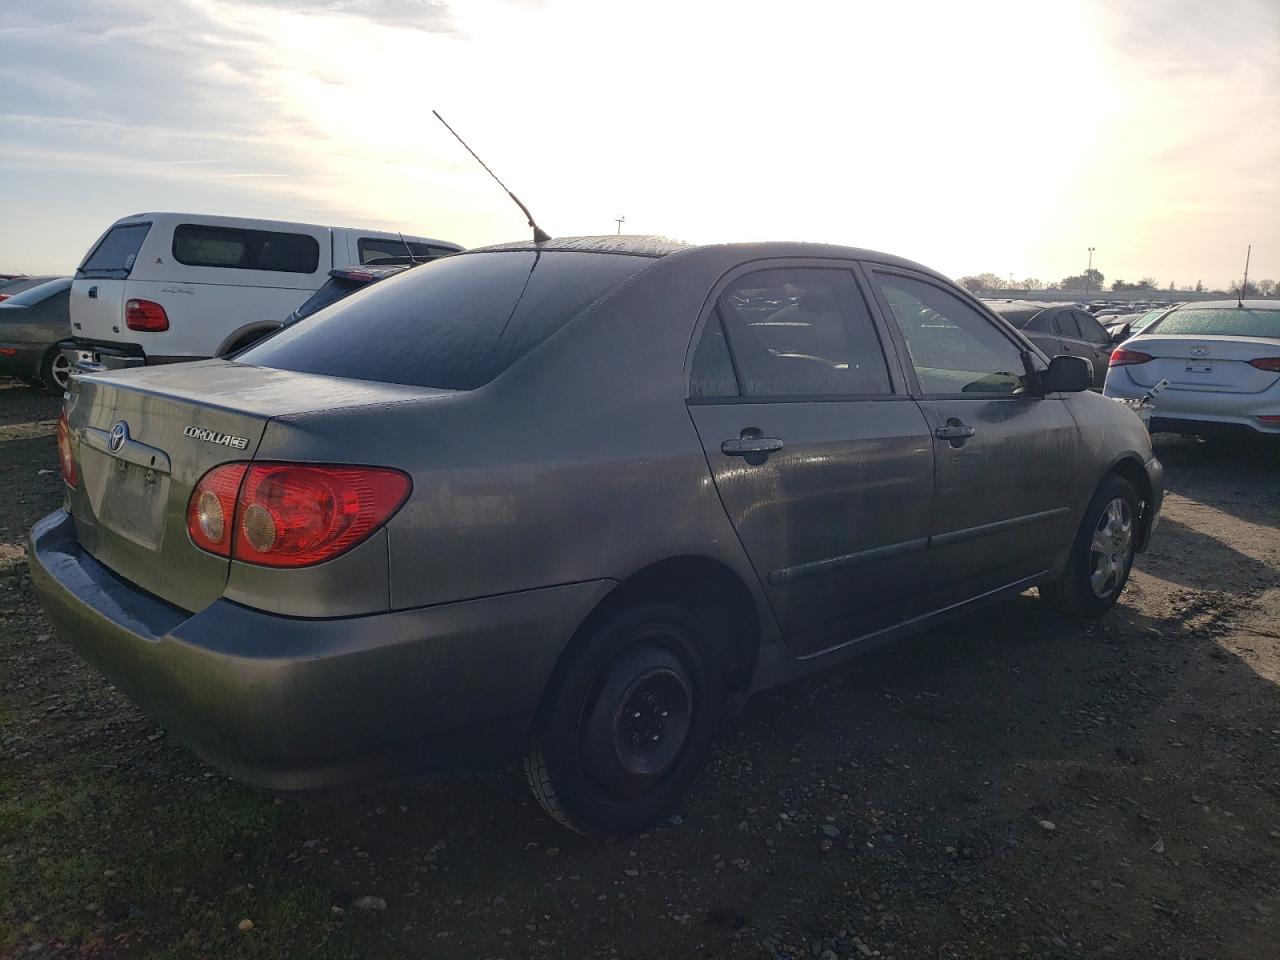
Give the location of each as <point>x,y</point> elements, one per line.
<point>990,135</point>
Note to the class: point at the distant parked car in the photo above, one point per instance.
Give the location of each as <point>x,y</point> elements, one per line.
<point>573,501</point>
<point>1061,328</point>
<point>32,324</point>
<point>1222,361</point>
<point>167,287</point>
<point>342,282</point>
<point>16,285</point>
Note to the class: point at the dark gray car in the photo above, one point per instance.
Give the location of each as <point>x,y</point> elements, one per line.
<point>1062,329</point>
<point>32,324</point>
<point>571,502</point>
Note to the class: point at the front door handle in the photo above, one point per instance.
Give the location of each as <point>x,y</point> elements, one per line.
<point>745,446</point>
<point>752,446</point>
<point>954,431</point>
<point>93,293</point>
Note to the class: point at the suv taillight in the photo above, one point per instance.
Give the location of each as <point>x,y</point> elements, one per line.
<point>1270,364</point>
<point>145,315</point>
<point>291,514</point>
<point>1123,358</point>
<point>66,460</point>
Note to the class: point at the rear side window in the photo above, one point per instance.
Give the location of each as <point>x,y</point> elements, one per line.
<point>454,324</point>
<point>198,245</point>
<point>113,257</point>
<point>375,248</point>
<point>712,374</point>
<point>802,332</point>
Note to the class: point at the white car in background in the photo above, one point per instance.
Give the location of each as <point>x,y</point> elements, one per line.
<point>1222,361</point>
<point>166,287</point>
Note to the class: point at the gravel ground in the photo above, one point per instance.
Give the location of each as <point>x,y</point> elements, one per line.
<point>1014,785</point>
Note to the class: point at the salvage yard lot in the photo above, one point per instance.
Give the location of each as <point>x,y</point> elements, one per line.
<point>1015,784</point>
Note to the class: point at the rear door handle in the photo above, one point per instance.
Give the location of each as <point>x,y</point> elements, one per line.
<point>955,432</point>
<point>93,293</point>
<point>746,446</point>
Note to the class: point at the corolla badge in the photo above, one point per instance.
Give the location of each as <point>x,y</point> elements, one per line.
<point>119,434</point>
<point>1199,350</point>
<point>213,436</point>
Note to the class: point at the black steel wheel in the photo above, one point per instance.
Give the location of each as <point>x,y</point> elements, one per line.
<point>626,723</point>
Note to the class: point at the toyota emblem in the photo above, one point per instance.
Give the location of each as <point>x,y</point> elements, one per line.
<point>119,434</point>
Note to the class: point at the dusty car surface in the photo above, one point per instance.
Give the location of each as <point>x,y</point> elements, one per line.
<point>571,502</point>
<point>32,324</point>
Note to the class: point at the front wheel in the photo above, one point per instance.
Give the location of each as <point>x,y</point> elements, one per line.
<point>1102,554</point>
<point>626,723</point>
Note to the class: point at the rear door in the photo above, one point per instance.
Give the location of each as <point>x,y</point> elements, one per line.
<point>1004,457</point>
<point>821,460</point>
<point>98,291</point>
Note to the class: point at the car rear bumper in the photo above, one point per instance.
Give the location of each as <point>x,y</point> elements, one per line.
<point>292,704</point>
<point>89,357</point>
<point>1202,411</point>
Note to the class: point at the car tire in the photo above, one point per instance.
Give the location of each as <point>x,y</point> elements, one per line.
<point>1102,554</point>
<point>627,721</point>
<point>55,371</point>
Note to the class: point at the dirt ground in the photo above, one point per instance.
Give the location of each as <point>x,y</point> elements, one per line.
<point>1015,785</point>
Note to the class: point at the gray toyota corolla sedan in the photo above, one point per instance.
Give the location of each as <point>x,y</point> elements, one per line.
<point>571,502</point>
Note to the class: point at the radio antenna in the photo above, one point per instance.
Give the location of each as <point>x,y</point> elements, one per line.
<point>1247,255</point>
<point>408,249</point>
<point>539,235</point>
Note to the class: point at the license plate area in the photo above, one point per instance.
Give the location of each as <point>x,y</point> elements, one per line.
<point>1198,367</point>
<point>133,501</point>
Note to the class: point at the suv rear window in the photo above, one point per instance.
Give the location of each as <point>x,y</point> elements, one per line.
<point>377,248</point>
<point>113,257</point>
<point>454,324</point>
<point>197,245</point>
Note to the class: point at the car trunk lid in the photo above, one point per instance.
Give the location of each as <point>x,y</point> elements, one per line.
<point>144,438</point>
<point>1214,364</point>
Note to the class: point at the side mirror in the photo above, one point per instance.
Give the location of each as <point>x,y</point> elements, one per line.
<point>1121,334</point>
<point>1068,375</point>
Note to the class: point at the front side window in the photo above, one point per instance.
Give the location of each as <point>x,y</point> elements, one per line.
<point>953,347</point>
<point>198,245</point>
<point>1064,324</point>
<point>1091,329</point>
<point>802,332</point>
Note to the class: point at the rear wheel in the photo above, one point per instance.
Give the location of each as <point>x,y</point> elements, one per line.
<point>55,371</point>
<point>627,722</point>
<point>1102,554</point>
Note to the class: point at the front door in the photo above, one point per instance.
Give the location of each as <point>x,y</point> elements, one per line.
<point>821,459</point>
<point>1004,456</point>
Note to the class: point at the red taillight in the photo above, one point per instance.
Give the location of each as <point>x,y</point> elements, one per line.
<point>66,460</point>
<point>145,315</point>
<point>291,515</point>
<point>3,297</point>
<point>1270,364</point>
<point>1121,357</point>
<point>211,511</point>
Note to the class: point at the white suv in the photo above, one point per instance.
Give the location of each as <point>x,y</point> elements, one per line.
<point>165,287</point>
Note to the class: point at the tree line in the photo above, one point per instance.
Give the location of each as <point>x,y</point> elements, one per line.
<point>1094,280</point>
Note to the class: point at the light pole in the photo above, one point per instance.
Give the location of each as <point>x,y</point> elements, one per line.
<point>1088,273</point>
<point>620,220</point>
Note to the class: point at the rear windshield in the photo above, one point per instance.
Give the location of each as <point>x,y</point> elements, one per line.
<point>1221,321</point>
<point>39,293</point>
<point>113,257</point>
<point>454,324</point>
<point>334,290</point>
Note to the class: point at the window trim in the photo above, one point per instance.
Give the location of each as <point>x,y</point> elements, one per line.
<point>173,249</point>
<point>898,385</point>
<point>1025,347</point>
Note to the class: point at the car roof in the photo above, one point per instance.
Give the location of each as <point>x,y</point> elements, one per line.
<point>658,246</point>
